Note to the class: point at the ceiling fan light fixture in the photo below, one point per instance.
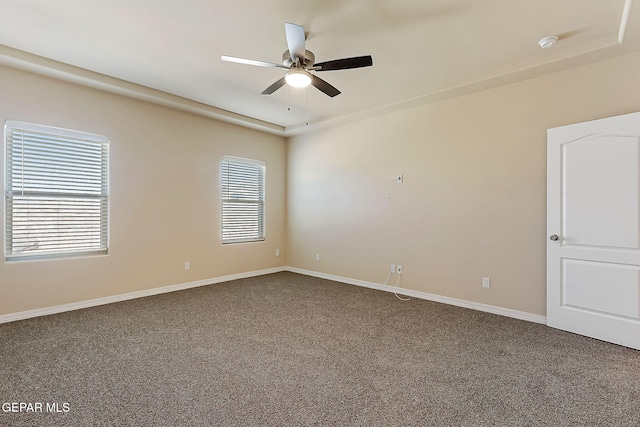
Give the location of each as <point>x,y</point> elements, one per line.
<point>298,78</point>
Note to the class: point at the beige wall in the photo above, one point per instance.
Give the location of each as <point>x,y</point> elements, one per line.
<point>472,204</point>
<point>164,186</point>
<point>473,201</point>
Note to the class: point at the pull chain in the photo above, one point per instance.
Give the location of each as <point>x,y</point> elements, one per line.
<point>307,121</point>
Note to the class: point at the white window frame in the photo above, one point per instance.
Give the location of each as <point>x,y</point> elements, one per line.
<point>242,213</point>
<point>56,192</point>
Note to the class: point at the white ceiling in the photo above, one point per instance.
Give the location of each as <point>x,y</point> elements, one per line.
<point>422,49</point>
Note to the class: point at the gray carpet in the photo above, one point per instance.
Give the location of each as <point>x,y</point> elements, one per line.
<point>291,350</point>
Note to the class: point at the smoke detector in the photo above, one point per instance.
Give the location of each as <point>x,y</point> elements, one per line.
<point>548,42</point>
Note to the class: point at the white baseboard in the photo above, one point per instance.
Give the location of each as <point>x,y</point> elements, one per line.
<point>522,315</point>
<point>12,317</point>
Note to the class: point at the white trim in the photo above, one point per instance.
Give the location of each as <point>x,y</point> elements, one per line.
<point>12,317</point>
<point>585,53</point>
<point>25,61</point>
<point>624,20</point>
<point>237,159</point>
<point>69,133</point>
<point>522,315</point>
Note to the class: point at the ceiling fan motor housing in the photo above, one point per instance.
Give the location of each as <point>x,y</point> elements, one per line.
<point>298,68</point>
<point>309,59</point>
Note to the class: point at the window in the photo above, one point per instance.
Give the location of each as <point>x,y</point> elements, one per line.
<point>242,190</point>
<point>56,192</point>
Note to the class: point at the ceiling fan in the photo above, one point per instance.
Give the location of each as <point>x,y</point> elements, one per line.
<point>300,62</point>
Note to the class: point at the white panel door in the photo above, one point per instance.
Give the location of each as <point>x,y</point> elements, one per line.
<point>593,240</point>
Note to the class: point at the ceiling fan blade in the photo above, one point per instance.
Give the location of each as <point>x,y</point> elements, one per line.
<point>344,64</point>
<point>274,87</point>
<point>252,62</point>
<point>324,86</point>
<point>295,41</point>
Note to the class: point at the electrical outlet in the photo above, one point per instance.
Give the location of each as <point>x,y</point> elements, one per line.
<point>399,179</point>
<point>187,265</point>
<point>317,257</point>
<point>399,269</point>
<point>486,283</point>
<point>393,268</point>
<point>277,252</point>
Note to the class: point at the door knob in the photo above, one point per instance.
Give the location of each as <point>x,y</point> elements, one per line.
<point>554,237</point>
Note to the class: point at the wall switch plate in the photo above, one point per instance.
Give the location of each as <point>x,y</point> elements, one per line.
<point>277,252</point>
<point>187,265</point>
<point>317,257</point>
<point>399,269</point>
<point>486,283</point>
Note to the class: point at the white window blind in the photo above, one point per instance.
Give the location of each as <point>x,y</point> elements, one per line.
<point>56,194</point>
<point>242,189</point>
